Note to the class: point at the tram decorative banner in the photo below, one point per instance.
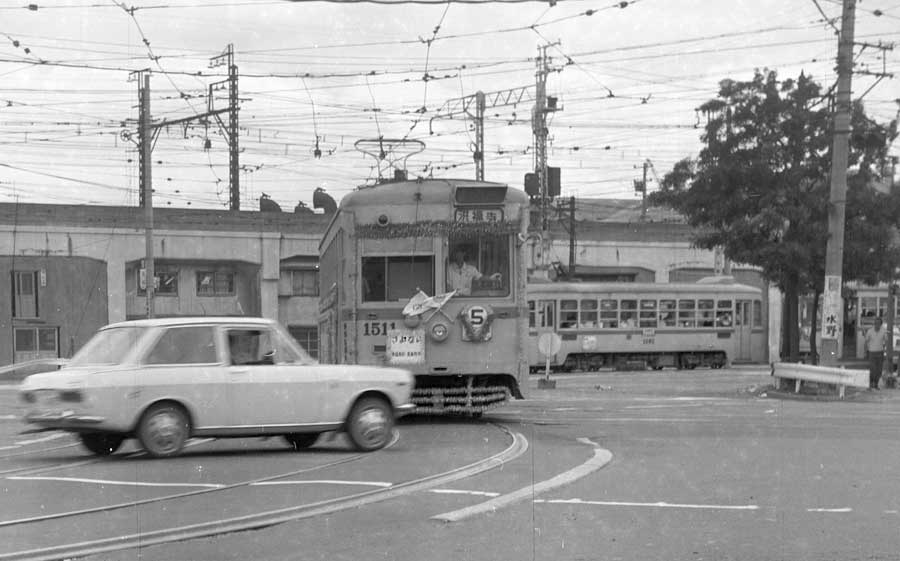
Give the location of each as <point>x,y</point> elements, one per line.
<point>441,228</point>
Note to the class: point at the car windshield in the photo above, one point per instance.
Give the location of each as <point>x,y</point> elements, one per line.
<point>108,346</point>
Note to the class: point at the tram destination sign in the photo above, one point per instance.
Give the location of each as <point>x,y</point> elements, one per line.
<point>475,215</point>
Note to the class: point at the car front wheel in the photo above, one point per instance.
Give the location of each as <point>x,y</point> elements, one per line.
<point>300,440</point>
<point>370,424</point>
<point>100,443</point>
<point>163,430</point>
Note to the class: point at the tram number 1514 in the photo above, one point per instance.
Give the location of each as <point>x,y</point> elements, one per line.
<point>377,328</point>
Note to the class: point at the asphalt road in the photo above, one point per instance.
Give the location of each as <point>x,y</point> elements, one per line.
<point>700,465</point>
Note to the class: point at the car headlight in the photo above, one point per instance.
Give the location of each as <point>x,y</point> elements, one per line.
<point>439,332</point>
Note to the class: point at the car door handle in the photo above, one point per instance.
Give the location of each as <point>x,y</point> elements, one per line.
<point>235,371</point>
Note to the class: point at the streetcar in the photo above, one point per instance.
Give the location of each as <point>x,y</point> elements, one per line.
<point>635,326</point>
<point>429,275</point>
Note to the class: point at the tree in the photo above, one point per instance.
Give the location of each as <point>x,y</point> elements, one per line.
<point>760,187</point>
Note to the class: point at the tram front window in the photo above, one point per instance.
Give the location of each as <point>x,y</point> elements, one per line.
<point>479,267</point>
<point>387,279</point>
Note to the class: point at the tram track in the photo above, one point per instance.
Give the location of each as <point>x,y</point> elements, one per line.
<point>518,445</point>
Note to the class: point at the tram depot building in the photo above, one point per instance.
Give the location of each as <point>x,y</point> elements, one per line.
<point>69,270</point>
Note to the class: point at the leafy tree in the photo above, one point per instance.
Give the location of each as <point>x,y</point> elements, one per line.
<point>760,188</point>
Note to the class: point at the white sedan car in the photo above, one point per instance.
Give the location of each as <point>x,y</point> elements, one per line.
<point>163,381</point>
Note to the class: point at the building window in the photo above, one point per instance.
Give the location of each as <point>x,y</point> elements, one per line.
<point>215,283</point>
<point>299,282</point>
<point>166,282</point>
<point>308,337</point>
<point>36,342</point>
<point>25,294</point>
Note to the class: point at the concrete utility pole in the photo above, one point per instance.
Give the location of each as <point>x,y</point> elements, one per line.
<point>146,138</point>
<point>540,132</point>
<point>832,308</point>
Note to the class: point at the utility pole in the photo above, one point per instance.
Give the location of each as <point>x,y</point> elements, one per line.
<point>571,269</point>
<point>232,130</point>
<point>540,131</point>
<point>146,183</point>
<point>832,309</point>
<point>644,193</point>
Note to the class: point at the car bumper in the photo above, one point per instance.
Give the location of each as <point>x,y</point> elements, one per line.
<point>404,409</point>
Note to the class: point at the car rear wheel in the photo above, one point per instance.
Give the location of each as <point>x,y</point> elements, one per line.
<point>101,444</point>
<point>370,424</point>
<point>163,430</point>
<point>300,440</point>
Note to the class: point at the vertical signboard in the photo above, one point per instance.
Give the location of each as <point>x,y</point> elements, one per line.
<point>832,316</point>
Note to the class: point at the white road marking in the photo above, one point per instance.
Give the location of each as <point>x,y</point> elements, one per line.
<point>663,406</point>
<point>600,458</point>
<point>839,510</point>
<point>20,443</point>
<point>325,482</point>
<point>464,492</point>
<point>112,482</point>
<point>588,441</point>
<point>662,504</point>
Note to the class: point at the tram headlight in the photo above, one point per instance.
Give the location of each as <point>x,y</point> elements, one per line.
<point>439,332</point>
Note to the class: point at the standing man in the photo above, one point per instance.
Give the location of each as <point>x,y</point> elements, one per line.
<point>876,338</point>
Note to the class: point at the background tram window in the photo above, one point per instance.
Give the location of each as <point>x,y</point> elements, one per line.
<point>628,319</point>
<point>647,314</point>
<point>387,279</point>
<point>588,315</point>
<point>667,313</point>
<point>686,313</point>
<point>609,313</point>
<point>531,314</point>
<point>757,313</point>
<point>706,313</point>
<point>568,314</point>
<point>724,313</point>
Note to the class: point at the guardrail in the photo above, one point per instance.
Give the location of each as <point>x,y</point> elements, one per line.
<point>840,377</point>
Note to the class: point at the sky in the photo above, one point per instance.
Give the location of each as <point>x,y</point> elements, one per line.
<point>628,77</point>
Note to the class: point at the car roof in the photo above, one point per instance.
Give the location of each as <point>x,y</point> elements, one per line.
<point>193,320</point>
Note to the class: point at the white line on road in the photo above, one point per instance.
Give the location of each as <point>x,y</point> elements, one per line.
<point>464,492</point>
<point>839,510</point>
<point>655,505</point>
<point>663,406</point>
<point>325,482</point>
<point>111,482</point>
<point>600,458</point>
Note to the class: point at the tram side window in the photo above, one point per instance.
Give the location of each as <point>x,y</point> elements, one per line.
<point>568,314</point>
<point>588,314</point>
<point>391,278</point>
<point>628,319</point>
<point>706,315</point>
<point>667,313</point>
<point>609,313</point>
<point>724,313</point>
<point>540,313</point>
<point>686,313</point>
<point>757,313</point>
<point>647,314</point>
<point>479,266</point>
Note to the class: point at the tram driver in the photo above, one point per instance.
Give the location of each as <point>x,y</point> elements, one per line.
<point>460,274</point>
